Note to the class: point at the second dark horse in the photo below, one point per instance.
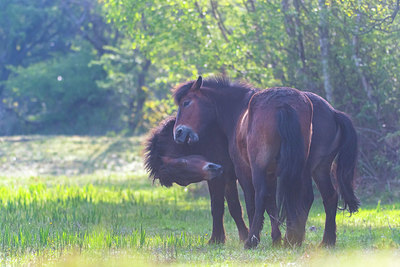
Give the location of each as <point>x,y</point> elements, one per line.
<point>169,162</point>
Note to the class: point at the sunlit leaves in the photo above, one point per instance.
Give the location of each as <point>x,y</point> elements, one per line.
<point>270,44</point>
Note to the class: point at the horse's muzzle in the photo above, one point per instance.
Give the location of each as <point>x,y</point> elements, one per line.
<point>184,134</point>
<point>213,170</point>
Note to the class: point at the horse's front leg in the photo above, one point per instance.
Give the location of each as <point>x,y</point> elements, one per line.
<point>235,209</point>
<point>216,188</point>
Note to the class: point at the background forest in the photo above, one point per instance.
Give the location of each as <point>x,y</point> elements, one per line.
<point>106,67</point>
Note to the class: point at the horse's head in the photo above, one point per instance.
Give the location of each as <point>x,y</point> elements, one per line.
<point>169,163</point>
<point>195,113</point>
<point>187,170</point>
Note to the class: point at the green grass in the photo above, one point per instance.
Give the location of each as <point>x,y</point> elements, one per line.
<point>106,216</point>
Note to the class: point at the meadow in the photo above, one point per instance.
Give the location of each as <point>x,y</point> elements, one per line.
<point>73,201</point>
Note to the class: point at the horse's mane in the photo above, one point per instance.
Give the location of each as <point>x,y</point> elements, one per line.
<point>220,83</point>
<point>155,147</point>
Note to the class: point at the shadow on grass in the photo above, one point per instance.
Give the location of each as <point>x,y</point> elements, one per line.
<point>113,155</point>
<point>68,155</point>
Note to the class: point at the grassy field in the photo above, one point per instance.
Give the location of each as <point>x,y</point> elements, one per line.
<point>74,201</point>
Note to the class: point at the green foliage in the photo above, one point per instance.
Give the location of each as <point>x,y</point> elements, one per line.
<point>199,37</point>
<point>157,110</point>
<point>275,43</point>
<point>26,34</point>
<point>60,95</point>
<point>36,36</point>
<point>123,66</point>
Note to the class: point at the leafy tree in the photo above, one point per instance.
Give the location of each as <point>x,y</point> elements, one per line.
<point>36,31</point>
<point>60,95</point>
<point>342,50</point>
<point>137,84</point>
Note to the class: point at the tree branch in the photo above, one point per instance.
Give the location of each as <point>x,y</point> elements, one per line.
<point>217,16</point>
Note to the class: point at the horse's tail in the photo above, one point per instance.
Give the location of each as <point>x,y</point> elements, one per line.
<point>346,161</point>
<point>291,164</point>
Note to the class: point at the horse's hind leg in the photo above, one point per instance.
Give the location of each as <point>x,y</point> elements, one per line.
<point>248,191</point>
<point>216,188</point>
<point>295,225</point>
<point>272,211</point>
<point>261,192</point>
<point>235,209</point>
<point>322,177</point>
<point>308,193</point>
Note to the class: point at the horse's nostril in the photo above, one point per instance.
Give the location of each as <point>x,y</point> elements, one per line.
<point>212,166</point>
<point>179,132</point>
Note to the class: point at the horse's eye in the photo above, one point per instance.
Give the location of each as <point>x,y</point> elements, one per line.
<point>186,103</point>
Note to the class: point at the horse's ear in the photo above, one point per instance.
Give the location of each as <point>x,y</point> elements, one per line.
<point>197,84</point>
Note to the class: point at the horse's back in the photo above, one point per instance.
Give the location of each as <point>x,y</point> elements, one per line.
<point>264,105</point>
<point>263,137</point>
<point>276,96</point>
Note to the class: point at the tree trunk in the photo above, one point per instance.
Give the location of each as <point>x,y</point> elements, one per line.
<point>357,63</point>
<point>292,44</point>
<point>300,43</point>
<point>137,103</point>
<point>324,46</point>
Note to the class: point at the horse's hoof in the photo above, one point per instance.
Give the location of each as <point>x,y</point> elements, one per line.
<point>293,240</point>
<point>243,235</point>
<point>292,243</point>
<point>214,240</point>
<point>277,243</point>
<point>328,241</point>
<point>327,244</point>
<point>251,242</point>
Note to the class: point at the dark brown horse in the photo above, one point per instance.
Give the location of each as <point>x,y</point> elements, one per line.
<point>333,137</point>
<point>269,135</point>
<point>169,162</point>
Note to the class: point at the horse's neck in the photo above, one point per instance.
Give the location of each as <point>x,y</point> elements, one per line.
<point>230,114</point>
